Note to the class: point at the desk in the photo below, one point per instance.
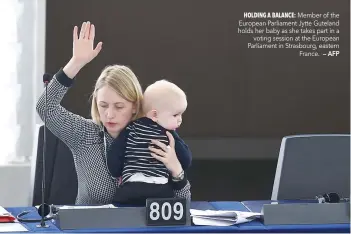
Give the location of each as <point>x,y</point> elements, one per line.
<point>254,226</point>
<point>256,206</point>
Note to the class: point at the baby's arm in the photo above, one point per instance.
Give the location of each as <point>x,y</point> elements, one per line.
<point>182,150</point>
<point>116,153</point>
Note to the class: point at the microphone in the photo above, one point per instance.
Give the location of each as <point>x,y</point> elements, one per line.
<point>331,198</point>
<point>46,78</point>
<point>44,209</point>
<point>42,212</point>
<point>47,210</point>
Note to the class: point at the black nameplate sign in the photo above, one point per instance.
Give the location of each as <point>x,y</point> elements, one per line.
<point>166,211</point>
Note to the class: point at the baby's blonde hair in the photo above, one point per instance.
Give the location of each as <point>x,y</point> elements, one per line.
<point>121,79</point>
<point>161,94</point>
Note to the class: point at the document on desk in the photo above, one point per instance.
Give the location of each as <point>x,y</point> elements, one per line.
<point>222,217</point>
<point>14,226</point>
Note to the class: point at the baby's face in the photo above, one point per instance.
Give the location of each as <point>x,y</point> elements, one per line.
<point>171,117</point>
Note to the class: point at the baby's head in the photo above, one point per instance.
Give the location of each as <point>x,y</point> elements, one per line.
<point>164,103</point>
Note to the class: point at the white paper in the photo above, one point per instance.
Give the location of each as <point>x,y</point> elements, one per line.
<point>3,211</point>
<point>221,217</point>
<point>211,222</point>
<point>213,213</point>
<point>248,215</point>
<point>10,227</point>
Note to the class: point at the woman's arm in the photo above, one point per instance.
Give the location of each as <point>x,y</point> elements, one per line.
<point>182,150</point>
<point>69,127</point>
<point>181,185</point>
<point>184,192</point>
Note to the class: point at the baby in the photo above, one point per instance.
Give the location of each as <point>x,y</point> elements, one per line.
<point>129,156</point>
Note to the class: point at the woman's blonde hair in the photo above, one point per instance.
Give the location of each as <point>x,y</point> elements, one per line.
<point>124,82</point>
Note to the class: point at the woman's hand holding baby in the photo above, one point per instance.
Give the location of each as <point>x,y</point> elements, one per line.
<point>167,155</point>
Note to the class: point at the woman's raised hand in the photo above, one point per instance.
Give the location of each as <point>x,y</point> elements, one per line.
<point>83,49</point>
<point>83,44</point>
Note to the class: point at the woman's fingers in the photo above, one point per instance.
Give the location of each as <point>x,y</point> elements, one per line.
<point>82,31</point>
<point>92,33</point>
<point>87,30</point>
<point>97,49</point>
<point>160,144</point>
<point>171,139</point>
<point>75,33</point>
<point>159,158</point>
<point>158,151</point>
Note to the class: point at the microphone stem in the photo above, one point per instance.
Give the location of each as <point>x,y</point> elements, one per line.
<point>42,223</point>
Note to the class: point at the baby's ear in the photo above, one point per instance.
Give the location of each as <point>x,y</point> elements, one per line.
<point>152,114</point>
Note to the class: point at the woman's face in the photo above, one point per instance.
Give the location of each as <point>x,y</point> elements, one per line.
<point>115,112</point>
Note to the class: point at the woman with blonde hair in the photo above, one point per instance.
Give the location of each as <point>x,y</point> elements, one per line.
<point>116,101</point>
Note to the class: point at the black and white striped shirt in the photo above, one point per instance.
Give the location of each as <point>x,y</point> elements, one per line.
<point>130,156</point>
<point>82,136</point>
